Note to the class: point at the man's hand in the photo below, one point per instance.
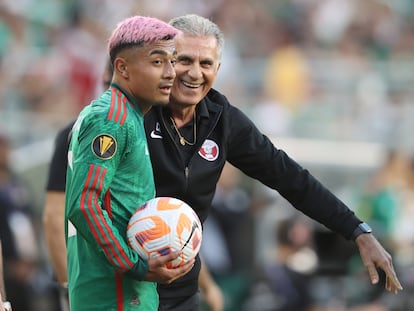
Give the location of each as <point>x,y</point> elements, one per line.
<point>374,256</point>
<point>158,272</point>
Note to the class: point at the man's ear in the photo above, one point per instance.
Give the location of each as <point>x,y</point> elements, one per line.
<point>120,67</point>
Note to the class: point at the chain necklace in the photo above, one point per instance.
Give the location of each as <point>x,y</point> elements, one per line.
<point>184,141</point>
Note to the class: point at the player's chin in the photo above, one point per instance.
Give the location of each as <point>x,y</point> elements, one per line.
<point>164,96</point>
<point>163,99</point>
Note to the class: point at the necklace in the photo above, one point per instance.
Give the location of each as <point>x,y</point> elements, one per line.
<point>184,141</point>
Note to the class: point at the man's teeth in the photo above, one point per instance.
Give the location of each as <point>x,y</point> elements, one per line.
<point>191,85</point>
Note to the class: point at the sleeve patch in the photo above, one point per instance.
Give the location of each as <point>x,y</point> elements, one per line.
<point>104,146</point>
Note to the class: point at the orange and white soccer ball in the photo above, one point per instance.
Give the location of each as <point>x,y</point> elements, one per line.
<point>163,225</point>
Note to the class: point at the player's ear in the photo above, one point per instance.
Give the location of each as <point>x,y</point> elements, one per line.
<point>120,67</point>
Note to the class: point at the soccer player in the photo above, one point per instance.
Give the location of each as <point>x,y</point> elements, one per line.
<point>54,211</point>
<point>109,175</point>
<point>191,139</point>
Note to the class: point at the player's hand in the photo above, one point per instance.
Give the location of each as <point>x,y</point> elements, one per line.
<point>158,271</point>
<point>374,256</point>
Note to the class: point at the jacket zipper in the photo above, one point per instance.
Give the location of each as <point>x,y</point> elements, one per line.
<point>186,169</point>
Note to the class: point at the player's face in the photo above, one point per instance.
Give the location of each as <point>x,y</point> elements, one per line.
<point>150,73</point>
<point>196,68</point>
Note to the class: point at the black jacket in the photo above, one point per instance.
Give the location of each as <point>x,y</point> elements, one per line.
<point>226,133</point>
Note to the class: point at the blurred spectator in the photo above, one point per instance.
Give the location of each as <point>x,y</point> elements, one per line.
<point>294,263</point>
<point>17,234</point>
<point>382,199</point>
<point>287,78</point>
<point>283,283</point>
<point>403,235</point>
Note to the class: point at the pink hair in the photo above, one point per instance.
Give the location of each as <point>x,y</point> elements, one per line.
<point>140,30</point>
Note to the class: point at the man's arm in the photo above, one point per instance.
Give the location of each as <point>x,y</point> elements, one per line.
<point>53,222</point>
<point>211,292</point>
<point>274,168</point>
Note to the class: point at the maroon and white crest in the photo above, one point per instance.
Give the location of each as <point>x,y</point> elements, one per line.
<point>209,150</point>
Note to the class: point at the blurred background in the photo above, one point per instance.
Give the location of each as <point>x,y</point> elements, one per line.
<point>329,81</point>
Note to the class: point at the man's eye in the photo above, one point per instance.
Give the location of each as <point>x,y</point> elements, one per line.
<point>206,65</point>
<point>173,62</point>
<point>184,61</point>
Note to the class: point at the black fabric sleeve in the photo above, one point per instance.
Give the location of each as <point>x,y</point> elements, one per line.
<point>57,170</point>
<point>256,156</point>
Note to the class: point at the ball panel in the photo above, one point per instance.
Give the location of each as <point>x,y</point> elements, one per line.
<point>152,228</point>
<point>165,204</point>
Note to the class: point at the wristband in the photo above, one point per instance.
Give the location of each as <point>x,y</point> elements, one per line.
<point>360,229</point>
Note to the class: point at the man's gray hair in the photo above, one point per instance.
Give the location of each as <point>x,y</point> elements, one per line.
<point>196,25</point>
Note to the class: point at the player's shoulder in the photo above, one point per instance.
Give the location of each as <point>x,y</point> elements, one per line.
<point>110,108</point>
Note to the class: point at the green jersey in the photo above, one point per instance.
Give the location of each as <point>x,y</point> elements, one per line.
<point>109,176</point>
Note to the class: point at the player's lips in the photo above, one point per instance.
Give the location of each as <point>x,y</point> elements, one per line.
<point>166,88</point>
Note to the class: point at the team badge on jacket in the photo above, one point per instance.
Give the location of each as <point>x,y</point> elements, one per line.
<point>209,150</point>
<point>104,146</point>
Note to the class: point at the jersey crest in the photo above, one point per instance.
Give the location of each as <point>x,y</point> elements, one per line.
<point>104,146</point>
<point>209,150</point>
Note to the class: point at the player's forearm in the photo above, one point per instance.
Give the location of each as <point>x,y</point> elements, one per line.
<point>54,229</point>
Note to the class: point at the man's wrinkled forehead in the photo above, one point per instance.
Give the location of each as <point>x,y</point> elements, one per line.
<point>193,47</point>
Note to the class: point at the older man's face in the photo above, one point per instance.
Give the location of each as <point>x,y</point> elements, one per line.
<point>196,68</point>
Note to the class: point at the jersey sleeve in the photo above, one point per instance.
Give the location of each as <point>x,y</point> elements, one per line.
<point>95,153</point>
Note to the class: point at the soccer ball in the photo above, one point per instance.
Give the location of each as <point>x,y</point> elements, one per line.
<point>163,225</point>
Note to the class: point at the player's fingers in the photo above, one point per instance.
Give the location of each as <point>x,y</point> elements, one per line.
<point>178,272</point>
<point>169,257</point>
<point>186,267</point>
